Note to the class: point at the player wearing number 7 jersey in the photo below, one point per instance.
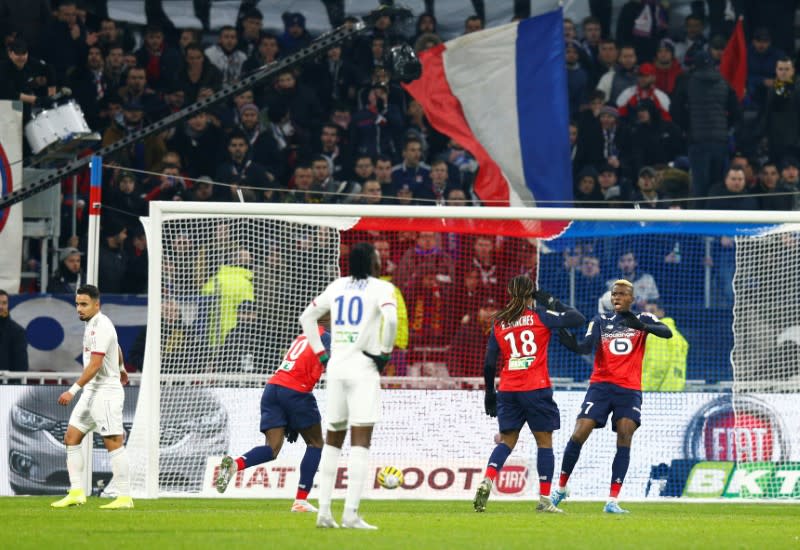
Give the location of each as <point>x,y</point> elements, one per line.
<point>615,386</point>
<point>363,329</point>
<point>287,408</point>
<point>521,334</point>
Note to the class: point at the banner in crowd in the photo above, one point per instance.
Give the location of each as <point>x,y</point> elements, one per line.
<point>55,333</point>
<point>688,446</point>
<point>10,180</point>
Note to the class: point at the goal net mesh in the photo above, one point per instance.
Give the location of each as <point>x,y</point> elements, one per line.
<point>232,288</point>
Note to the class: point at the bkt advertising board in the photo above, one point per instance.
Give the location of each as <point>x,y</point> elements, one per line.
<point>688,445</point>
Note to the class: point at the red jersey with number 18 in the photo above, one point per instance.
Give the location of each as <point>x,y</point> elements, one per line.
<point>300,368</point>
<point>523,344</point>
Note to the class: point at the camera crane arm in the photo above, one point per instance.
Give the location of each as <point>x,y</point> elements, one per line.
<point>401,56</point>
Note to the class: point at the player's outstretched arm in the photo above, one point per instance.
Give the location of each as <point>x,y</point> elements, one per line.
<point>557,314</point>
<point>581,347</point>
<point>646,323</point>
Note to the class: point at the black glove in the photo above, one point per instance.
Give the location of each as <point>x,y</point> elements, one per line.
<point>630,320</point>
<point>567,339</point>
<point>43,102</point>
<point>490,402</point>
<point>291,435</point>
<point>544,298</point>
<point>379,360</point>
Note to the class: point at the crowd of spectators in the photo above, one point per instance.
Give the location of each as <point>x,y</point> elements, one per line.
<point>653,125</point>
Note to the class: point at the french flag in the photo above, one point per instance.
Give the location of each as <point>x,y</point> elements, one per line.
<point>502,94</point>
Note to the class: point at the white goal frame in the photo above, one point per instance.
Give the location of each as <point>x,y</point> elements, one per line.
<point>161,211</point>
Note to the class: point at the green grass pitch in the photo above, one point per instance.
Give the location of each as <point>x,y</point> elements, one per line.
<point>29,522</point>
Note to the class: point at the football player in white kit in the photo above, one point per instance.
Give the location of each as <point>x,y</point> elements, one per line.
<point>100,405</point>
<point>363,328</point>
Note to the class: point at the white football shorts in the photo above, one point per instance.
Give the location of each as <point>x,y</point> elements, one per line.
<point>99,410</point>
<point>353,401</point>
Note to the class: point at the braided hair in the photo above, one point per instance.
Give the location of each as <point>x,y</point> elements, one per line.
<point>521,289</point>
<point>362,258</point>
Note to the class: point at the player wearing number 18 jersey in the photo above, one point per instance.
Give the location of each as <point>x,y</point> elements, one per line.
<point>287,408</point>
<point>615,386</point>
<point>520,335</point>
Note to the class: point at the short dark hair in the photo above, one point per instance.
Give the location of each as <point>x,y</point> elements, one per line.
<point>330,125</point>
<point>361,257</point>
<point>3,293</point>
<point>412,139</point>
<point>238,135</point>
<point>591,20</point>
<point>473,17</point>
<point>266,35</point>
<point>733,169</point>
<point>89,290</point>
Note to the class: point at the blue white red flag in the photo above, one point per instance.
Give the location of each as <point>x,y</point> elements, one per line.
<point>502,94</point>
<point>10,180</point>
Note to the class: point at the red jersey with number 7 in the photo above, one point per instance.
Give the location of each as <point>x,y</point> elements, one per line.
<point>300,368</point>
<point>523,345</point>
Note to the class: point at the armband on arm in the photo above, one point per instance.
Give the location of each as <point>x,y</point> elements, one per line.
<point>74,389</point>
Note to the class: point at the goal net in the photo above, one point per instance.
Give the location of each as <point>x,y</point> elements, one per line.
<point>227,283</point>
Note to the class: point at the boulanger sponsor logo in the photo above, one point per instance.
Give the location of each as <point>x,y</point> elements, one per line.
<point>739,429</point>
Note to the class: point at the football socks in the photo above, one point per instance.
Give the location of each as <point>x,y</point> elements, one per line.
<point>619,468</point>
<point>497,459</point>
<point>256,455</point>
<point>545,464</point>
<point>308,469</point>
<point>75,466</point>
<point>571,454</point>
<point>357,470</point>
<point>121,470</point>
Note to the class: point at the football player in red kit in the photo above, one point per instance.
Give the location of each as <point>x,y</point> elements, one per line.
<point>520,334</point>
<point>615,386</point>
<point>288,408</point>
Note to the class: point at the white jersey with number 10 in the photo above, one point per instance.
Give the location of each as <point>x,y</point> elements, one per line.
<point>357,307</point>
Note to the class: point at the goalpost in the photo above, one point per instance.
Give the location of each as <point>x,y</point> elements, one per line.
<point>228,281</point>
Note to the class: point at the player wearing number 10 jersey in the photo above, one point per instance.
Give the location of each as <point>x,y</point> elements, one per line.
<point>615,386</point>
<point>363,328</point>
<point>287,408</point>
<point>521,334</point>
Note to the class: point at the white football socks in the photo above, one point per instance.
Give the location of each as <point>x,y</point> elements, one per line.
<point>75,466</point>
<point>121,470</point>
<point>357,476</point>
<point>328,464</point>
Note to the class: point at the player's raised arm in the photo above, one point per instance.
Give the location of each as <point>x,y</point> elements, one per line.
<point>585,346</point>
<point>646,322</point>
<point>318,307</point>
<point>556,314</point>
